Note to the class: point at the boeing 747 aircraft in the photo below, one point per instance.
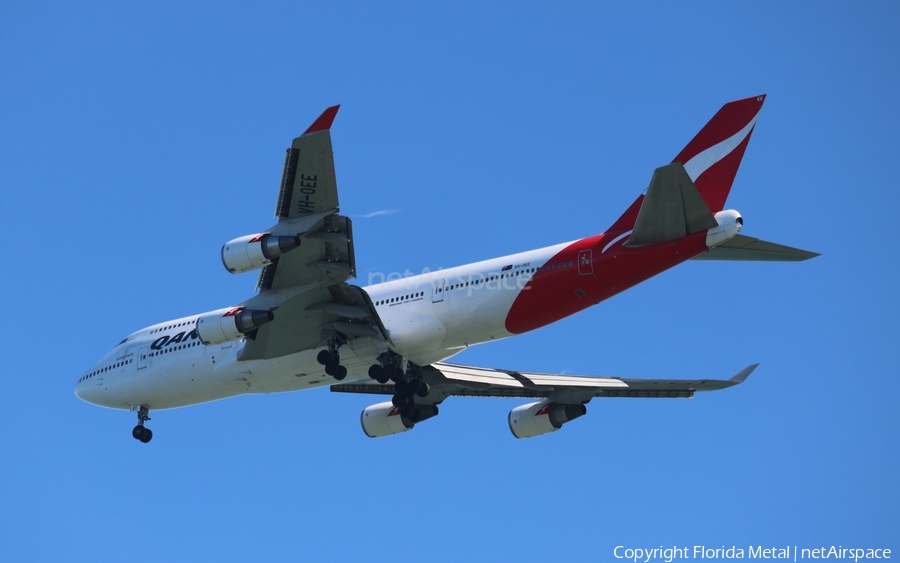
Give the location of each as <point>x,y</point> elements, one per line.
<point>307,326</point>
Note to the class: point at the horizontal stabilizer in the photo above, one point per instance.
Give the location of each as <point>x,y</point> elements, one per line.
<point>749,248</point>
<point>672,209</point>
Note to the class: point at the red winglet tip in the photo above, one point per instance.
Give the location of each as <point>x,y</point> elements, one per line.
<point>323,123</point>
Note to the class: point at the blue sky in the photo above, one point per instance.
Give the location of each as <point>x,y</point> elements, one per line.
<point>138,137</point>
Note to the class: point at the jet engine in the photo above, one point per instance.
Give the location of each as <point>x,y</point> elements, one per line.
<point>730,224</point>
<point>231,323</point>
<point>252,252</point>
<point>384,419</point>
<point>542,417</point>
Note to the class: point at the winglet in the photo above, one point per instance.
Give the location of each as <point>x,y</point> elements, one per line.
<point>323,123</point>
<point>743,374</point>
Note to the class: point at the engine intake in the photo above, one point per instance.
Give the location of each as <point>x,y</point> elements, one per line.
<point>730,224</point>
<point>542,417</point>
<point>252,252</point>
<point>231,323</point>
<point>384,419</point>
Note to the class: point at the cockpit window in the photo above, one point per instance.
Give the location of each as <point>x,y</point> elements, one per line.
<point>124,340</point>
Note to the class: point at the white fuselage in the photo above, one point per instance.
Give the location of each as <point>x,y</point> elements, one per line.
<point>430,317</point>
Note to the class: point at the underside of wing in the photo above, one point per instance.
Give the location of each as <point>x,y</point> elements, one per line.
<point>306,288</point>
<point>315,314</point>
<point>308,184</point>
<point>325,254</point>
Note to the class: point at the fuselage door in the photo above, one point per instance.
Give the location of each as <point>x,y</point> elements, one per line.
<point>585,262</point>
<point>437,291</point>
<point>143,357</point>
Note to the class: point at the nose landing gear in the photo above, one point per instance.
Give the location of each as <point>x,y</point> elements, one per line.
<point>140,432</point>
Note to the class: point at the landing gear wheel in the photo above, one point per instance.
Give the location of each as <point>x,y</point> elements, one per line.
<point>340,372</point>
<point>140,432</point>
<point>390,371</point>
<point>401,388</point>
<point>423,390</point>
<point>331,368</point>
<point>401,400</point>
<point>324,357</point>
<point>376,372</point>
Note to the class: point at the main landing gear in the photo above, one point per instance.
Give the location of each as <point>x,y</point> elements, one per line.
<point>331,358</point>
<point>408,384</point>
<point>140,432</point>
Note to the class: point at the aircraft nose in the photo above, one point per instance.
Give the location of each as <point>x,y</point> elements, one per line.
<point>86,391</point>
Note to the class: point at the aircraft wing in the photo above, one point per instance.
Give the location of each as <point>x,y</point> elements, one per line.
<point>306,287</point>
<point>308,185</point>
<point>308,205</point>
<point>466,381</point>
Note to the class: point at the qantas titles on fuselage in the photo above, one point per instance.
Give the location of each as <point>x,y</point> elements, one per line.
<point>308,327</point>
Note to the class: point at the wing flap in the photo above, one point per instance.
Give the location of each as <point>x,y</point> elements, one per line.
<point>469,374</point>
<point>545,380</point>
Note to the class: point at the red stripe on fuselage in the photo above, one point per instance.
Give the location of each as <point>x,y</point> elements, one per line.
<point>553,294</point>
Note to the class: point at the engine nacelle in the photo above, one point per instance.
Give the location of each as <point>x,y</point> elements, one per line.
<point>730,224</point>
<point>384,419</point>
<point>542,417</point>
<point>231,323</point>
<point>252,252</point>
